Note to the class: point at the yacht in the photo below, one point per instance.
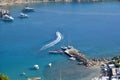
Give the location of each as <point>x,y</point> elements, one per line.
<point>28,9</point>
<point>22,15</point>
<point>7,18</point>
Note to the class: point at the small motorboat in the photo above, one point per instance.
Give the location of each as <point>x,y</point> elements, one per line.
<point>22,15</point>
<point>36,66</point>
<point>27,9</point>
<point>56,51</point>
<point>7,18</point>
<point>72,58</point>
<point>50,64</point>
<point>64,48</point>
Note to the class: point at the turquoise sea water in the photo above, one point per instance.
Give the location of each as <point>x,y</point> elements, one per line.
<point>93,28</point>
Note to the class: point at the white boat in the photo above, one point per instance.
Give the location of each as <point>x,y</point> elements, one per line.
<point>50,64</point>
<point>22,15</point>
<point>7,18</point>
<point>36,66</point>
<point>72,58</point>
<point>28,9</point>
<point>56,51</point>
<point>64,48</point>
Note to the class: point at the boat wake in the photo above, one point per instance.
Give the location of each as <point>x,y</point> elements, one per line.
<point>57,40</point>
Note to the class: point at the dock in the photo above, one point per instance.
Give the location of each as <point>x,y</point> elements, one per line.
<point>3,12</point>
<point>81,58</point>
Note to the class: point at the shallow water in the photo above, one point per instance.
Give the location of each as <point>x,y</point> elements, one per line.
<point>69,70</point>
<point>93,28</point>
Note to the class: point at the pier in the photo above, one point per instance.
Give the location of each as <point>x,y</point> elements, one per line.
<point>3,12</point>
<point>81,58</point>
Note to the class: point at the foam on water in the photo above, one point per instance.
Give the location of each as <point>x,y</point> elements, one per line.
<point>57,40</point>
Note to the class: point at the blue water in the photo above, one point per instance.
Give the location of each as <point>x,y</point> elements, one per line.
<point>93,28</point>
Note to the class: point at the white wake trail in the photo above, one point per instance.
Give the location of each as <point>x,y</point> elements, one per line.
<point>57,40</point>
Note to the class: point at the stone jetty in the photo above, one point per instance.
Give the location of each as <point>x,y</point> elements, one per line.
<point>81,58</point>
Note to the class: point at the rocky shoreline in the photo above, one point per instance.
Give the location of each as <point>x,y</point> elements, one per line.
<point>12,2</point>
<point>109,67</point>
<point>82,59</point>
<point>75,54</point>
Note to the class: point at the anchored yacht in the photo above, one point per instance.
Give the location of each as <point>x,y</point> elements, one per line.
<point>28,9</point>
<point>7,18</point>
<point>22,15</point>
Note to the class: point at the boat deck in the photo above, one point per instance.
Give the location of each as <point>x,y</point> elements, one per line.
<point>3,12</point>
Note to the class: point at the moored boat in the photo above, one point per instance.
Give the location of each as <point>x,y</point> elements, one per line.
<point>22,15</point>
<point>50,64</point>
<point>36,67</point>
<point>7,18</point>
<point>72,58</point>
<point>56,51</point>
<point>28,9</point>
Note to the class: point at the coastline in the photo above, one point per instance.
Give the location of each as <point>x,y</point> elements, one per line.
<point>33,60</point>
<point>82,59</point>
<point>5,3</point>
<point>107,68</point>
<point>97,70</point>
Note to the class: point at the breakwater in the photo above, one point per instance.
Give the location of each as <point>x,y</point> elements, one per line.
<point>82,59</point>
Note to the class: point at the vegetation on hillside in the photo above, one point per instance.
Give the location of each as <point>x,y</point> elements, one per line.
<point>4,77</point>
<point>116,61</point>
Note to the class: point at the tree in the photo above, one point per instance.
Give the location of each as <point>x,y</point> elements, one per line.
<point>116,61</point>
<point>4,77</point>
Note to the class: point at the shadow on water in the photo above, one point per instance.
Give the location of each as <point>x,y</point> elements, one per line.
<point>5,21</point>
<point>32,69</point>
<point>69,70</point>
